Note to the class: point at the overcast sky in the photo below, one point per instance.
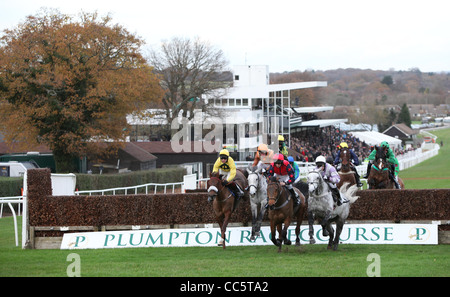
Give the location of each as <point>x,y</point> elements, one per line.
<point>287,35</point>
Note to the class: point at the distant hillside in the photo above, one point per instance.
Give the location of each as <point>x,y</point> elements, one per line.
<point>366,90</point>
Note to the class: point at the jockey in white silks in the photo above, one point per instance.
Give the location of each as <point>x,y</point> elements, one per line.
<point>330,176</point>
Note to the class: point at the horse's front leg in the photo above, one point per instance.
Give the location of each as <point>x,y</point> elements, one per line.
<point>339,227</point>
<point>330,230</point>
<point>262,212</point>
<point>311,227</point>
<point>273,233</point>
<point>287,223</point>
<point>254,220</point>
<point>324,223</point>
<point>280,234</point>
<point>224,227</point>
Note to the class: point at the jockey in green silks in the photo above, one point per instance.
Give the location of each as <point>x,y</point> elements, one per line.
<point>390,157</point>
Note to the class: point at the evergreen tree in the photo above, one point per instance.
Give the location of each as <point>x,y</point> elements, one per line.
<point>404,116</point>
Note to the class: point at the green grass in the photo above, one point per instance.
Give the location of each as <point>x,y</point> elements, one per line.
<point>433,173</point>
<point>257,261</point>
<point>249,261</point>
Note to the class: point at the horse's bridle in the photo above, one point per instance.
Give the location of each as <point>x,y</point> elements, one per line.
<point>316,182</point>
<point>215,189</point>
<point>257,181</point>
<point>279,190</point>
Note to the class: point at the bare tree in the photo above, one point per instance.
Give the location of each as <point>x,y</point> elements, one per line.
<point>193,74</point>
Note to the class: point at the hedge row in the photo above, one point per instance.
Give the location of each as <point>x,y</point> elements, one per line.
<point>193,208</point>
<point>11,186</point>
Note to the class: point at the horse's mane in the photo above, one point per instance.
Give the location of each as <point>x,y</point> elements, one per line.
<point>214,174</point>
<point>273,179</point>
<point>303,187</point>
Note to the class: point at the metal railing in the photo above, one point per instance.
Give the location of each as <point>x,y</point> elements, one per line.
<point>134,189</point>
<point>12,200</point>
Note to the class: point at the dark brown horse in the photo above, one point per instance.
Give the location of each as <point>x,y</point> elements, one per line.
<point>224,201</point>
<point>281,211</point>
<point>379,174</point>
<point>346,173</point>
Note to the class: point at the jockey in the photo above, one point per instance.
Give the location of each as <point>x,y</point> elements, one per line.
<point>263,157</point>
<point>284,171</point>
<point>355,162</point>
<point>331,177</point>
<point>225,165</point>
<point>282,147</point>
<point>390,158</point>
<point>296,169</point>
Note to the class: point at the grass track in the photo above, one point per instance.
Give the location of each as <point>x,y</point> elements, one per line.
<point>250,261</point>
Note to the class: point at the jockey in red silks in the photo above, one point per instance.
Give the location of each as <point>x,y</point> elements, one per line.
<point>285,173</point>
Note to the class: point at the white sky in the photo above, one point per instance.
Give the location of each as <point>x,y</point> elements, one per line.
<point>287,35</point>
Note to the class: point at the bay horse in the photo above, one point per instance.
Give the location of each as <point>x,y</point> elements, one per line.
<point>322,207</point>
<point>257,184</point>
<point>281,211</point>
<point>224,202</point>
<point>346,173</point>
<point>379,174</point>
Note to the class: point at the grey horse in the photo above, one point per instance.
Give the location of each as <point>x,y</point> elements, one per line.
<point>322,207</point>
<point>257,188</point>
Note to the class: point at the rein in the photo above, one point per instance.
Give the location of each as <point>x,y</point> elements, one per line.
<point>215,189</point>
<point>278,197</point>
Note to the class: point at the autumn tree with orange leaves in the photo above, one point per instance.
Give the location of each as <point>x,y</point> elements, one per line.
<point>70,83</point>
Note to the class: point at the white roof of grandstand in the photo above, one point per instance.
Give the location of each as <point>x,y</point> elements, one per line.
<point>262,91</point>
<point>319,123</point>
<point>310,109</point>
<point>375,138</point>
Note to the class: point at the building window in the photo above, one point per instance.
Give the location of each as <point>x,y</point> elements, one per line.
<point>236,77</point>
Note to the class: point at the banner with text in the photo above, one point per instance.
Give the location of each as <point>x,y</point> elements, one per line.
<point>240,236</point>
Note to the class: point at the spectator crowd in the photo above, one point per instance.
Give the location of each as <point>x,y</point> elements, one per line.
<point>325,142</point>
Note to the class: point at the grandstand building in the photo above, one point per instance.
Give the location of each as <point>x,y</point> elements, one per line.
<point>253,109</point>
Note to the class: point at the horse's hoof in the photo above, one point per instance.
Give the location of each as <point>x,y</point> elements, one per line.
<point>297,243</point>
<point>312,241</point>
<point>278,242</point>
<point>329,247</point>
<point>287,242</point>
<point>325,232</point>
<point>252,238</point>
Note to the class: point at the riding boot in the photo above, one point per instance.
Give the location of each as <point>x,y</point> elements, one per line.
<point>397,185</point>
<point>238,193</point>
<point>369,166</point>
<point>295,197</point>
<point>337,196</point>
<point>394,179</point>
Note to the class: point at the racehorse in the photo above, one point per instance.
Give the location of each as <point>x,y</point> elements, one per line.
<point>379,174</point>
<point>257,184</point>
<point>346,173</point>
<point>321,207</point>
<point>224,201</point>
<point>281,211</point>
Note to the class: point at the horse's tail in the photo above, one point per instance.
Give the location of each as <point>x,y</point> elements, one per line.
<point>349,192</point>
